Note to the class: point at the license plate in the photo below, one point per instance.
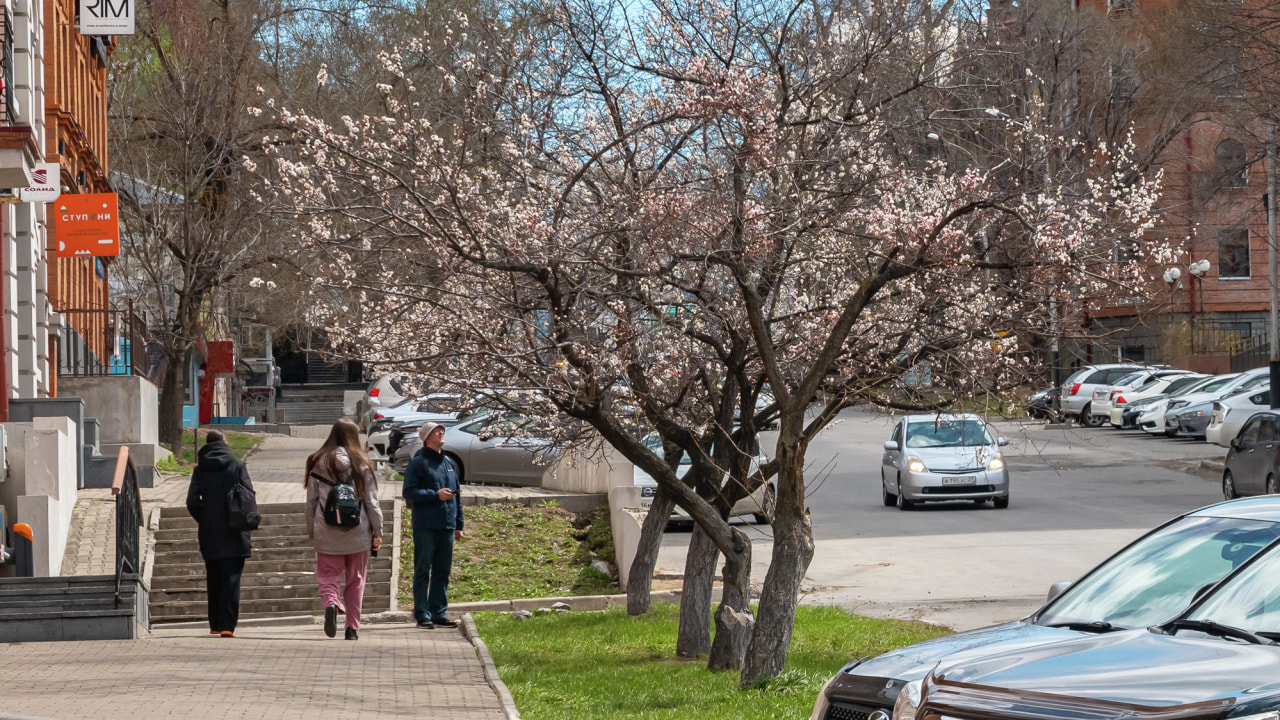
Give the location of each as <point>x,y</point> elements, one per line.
<point>964,480</point>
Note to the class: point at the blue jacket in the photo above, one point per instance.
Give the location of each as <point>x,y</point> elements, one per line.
<point>428,472</point>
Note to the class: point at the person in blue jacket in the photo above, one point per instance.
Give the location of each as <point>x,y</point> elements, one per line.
<point>431,488</point>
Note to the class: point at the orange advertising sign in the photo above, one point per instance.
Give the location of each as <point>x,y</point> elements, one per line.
<point>87,225</point>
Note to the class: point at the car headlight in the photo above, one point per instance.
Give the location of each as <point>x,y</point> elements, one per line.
<point>997,463</point>
<point>820,705</point>
<point>909,701</point>
<point>1193,413</point>
<point>914,465</point>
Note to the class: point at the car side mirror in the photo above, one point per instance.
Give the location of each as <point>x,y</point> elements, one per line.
<point>1057,589</point>
<point>1235,443</point>
<point>1002,441</point>
<point>890,445</point>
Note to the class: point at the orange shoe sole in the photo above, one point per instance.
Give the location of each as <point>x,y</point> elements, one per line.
<point>227,633</point>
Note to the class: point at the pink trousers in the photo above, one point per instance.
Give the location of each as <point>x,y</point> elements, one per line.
<point>330,570</point>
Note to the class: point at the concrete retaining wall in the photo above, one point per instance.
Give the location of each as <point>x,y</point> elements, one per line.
<point>127,407</point>
<point>596,472</point>
<point>41,490</point>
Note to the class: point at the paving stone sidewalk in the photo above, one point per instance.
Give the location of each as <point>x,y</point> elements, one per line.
<point>392,671</point>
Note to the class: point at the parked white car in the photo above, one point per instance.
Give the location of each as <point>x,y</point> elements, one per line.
<point>1231,413</point>
<point>1152,418</point>
<point>1189,415</point>
<point>759,504</point>
<point>1077,391</point>
<point>1168,385</point>
<point>1104,397</point>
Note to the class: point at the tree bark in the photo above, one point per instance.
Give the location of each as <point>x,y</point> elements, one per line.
<point>734,622</point>
<point>694,638</point>
<point>792,552</point>
<point>640,577</point>
<point>171,394</point>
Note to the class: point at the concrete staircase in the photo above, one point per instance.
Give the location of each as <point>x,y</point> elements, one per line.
<point>313,404</point>
<point>71,608</point>
<point>279,580</point>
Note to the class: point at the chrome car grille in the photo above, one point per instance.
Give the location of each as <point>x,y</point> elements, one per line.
<point>953,471</point>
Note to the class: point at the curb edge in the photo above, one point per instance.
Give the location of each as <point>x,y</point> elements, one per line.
<point>490,670</point>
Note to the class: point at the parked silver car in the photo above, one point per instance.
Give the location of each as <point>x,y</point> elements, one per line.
<point>759,504</point>
<point>1077,391</point>
<point>496,448</point>
<point>933,458</point>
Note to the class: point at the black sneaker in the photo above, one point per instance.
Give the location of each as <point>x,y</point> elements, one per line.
<point>331,620</point>
<point>445,623</point>
<point>351,634</point>
<point>425,625</point>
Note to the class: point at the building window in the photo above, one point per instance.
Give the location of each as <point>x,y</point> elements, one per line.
<point>1118,5</point>
<point>1233,253</point>
<point>1124,76</point>
<point>1231,164</point>
<point>100,268</point>
<point>1227,75</point>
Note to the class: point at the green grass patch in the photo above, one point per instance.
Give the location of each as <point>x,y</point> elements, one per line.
<point>241,445</point>
<point>608,665</point>
<point>513,551</point>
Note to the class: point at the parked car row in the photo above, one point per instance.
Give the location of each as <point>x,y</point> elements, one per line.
<point>1232,410</point>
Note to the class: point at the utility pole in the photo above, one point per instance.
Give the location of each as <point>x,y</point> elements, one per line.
<point>1271,262</point>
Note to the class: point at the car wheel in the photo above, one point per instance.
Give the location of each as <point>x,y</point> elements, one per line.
<point>769,505</point>
<point>888,498</point>
<point>1001,502</point>
<point>1273,485</point>
<point>462,472</point>
<point>1229,486</point>
<point>903,502</point>
<point>1088,419</point>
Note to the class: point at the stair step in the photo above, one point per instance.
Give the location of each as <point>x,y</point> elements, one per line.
<point>255,566</point>
<point>280,592</point>
<point>173,583</point>
<point>47,614</point>
<point>176,536</point>
<point>249,608</point>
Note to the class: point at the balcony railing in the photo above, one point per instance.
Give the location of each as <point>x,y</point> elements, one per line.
<point>102,342</point>
<point>8,108</point>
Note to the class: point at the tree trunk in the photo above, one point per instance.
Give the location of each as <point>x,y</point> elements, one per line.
<point>171,393</point>
<point>694,637</point>
<point>640,577</point>
<point>792,552</point>
<point>734,622</point>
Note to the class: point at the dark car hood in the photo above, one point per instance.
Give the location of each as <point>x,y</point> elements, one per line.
<point>1135,667</point>
<point>915,661</point>
<point>878,680</point>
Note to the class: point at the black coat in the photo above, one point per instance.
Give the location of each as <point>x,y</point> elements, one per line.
<point>216,473</point>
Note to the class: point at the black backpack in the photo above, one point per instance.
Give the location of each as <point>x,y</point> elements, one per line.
<point>342,509</point>
<point>242,508</point>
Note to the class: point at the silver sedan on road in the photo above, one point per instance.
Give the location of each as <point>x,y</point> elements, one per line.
<point>932,458</point>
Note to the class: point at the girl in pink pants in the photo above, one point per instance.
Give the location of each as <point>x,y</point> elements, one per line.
<point>342,552</point>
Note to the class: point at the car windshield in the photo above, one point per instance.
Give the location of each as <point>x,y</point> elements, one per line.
<point>947,433</point>
<point>1154,579</point>
<point>1132,379</point>
<point>1250,600</point>
<point>1217,383</point>
<point>1181,385</point>
<point>654,443</point>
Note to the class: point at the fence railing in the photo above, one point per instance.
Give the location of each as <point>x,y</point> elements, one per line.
<point>102,342</point>
<point>8,108</point>
<point>1255,353</point>
<point>128,519</point>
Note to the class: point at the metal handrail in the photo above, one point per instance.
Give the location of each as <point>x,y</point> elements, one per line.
<point>124,486</point>
<point>93,351</point>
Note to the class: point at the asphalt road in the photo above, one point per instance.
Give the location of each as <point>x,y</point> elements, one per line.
<point>1077,496</point>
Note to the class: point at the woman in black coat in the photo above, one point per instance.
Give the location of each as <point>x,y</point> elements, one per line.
<point>224,550</point>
